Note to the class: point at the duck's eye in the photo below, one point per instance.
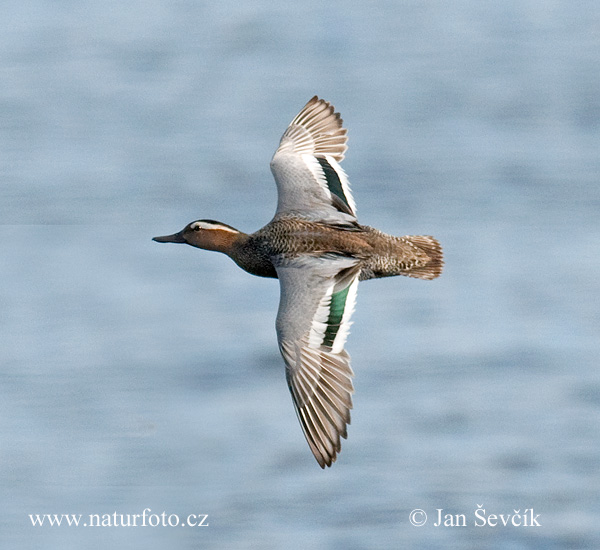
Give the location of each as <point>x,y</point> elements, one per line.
<point>196,228</point>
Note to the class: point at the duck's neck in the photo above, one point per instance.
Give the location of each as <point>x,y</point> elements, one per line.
<point>251,256</point>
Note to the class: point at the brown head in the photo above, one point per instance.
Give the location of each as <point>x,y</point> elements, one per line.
<point>206,234</point>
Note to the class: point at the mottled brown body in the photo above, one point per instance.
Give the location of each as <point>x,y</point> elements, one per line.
<point>381,255</point>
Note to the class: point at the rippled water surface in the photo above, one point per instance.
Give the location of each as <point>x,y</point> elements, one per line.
<point>136,375</point>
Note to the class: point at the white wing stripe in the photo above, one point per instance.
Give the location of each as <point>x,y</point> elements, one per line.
<point>344,181</point>
<point>315,168</point>
<point>344,330</point>
<point>319,322</point>
<point>319,325</point>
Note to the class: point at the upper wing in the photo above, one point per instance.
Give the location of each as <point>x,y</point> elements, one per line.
<point>317,300</point>
<point>310,181</point>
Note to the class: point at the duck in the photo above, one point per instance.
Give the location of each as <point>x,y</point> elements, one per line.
<point>317,249</point>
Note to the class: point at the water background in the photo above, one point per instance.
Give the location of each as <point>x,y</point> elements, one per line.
<point>135,375</point>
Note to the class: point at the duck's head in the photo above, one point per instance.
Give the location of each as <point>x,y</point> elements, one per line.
<point>206,234</point>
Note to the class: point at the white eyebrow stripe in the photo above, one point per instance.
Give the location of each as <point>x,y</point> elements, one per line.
<point>205,225</point>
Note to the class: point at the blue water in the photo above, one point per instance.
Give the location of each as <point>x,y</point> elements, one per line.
<point>136,375</point>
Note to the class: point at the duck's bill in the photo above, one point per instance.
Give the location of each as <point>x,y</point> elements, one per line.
<point>175,238</point>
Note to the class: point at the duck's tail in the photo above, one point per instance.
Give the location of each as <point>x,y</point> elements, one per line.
<point>431,247</point>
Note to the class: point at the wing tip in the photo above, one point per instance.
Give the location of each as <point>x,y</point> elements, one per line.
<point>324,414</point>
<point>325,125</point>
